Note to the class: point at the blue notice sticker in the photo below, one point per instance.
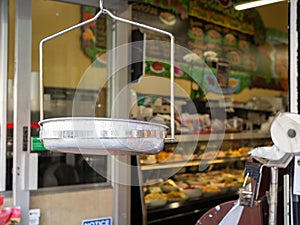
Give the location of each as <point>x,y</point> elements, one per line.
<point>99,221</point>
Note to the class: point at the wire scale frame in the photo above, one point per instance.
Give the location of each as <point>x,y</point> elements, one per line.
<point>95,135</point>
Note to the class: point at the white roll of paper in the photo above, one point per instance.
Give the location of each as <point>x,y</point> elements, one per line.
<point>285,132</point>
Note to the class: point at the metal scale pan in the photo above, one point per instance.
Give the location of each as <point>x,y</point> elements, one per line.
<point>95,135</point>
<point>102,135</point>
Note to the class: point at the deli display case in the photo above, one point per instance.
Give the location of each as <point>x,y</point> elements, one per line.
<point>207,178</point>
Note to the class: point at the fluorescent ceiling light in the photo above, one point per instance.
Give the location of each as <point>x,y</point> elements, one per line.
<point>253,4</point>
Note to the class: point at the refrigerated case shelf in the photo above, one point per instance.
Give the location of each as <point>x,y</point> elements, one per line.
<point>216,136</point>
<point>188,211</point>
<point>185,212</point>
<point>170,165</point>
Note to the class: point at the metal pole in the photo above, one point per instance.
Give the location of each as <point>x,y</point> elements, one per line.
<point>286,199</point>
<point>293,88</point>
<point>293,56</point>
<point>3,93</point>
<point>23,35</point>
<point>118,34</point>
<point>273,196</point>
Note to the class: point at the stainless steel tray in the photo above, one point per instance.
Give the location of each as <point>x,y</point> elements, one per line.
<point>94,135</point>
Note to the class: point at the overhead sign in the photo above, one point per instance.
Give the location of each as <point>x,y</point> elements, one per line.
<point>98,221</point>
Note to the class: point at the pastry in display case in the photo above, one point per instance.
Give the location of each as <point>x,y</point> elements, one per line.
<point>206,177</point>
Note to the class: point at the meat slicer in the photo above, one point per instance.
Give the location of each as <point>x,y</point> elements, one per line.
<point>285,134</point>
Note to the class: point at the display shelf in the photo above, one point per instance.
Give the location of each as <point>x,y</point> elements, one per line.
<point>170,165</point>
<point>186,212</point>
<point>218,136</point>
<point>253,110</point>
<point>189,211</point>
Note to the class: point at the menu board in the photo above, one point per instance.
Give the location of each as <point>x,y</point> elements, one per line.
<point>194,33</point>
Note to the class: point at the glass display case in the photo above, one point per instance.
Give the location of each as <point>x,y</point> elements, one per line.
<point>180,187</point>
